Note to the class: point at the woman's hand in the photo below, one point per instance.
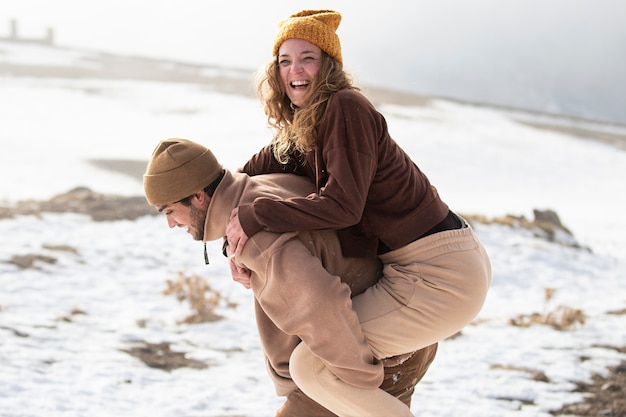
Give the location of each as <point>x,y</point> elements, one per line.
<point>235,235</point>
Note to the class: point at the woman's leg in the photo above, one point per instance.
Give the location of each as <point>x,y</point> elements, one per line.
<point>314,378</point>
<point>430,290</point>
<point>402,374</point>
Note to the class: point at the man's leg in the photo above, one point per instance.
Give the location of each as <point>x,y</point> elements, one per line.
<point>402,373</point>
<point>299,405</point>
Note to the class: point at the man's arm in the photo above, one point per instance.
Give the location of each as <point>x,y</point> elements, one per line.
<point>303,299</point>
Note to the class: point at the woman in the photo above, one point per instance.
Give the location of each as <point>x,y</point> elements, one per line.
<point>436,272</point>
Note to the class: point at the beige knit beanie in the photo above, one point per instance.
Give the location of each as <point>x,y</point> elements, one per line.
<point>177,169</point>
<point>315,26</point>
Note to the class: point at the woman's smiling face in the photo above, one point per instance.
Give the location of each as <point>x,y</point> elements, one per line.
<point>299,62</point>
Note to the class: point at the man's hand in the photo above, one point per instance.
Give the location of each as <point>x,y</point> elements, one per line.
<point>240,274</point>
<point>237,238</point>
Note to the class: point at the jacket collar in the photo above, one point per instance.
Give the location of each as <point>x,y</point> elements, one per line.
<point>226,197</point>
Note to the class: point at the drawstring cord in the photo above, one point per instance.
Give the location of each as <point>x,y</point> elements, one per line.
<point>224,251</point>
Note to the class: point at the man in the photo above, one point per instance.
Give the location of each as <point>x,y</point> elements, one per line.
<point>301,283</point>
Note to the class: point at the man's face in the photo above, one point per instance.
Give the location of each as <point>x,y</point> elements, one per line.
<point>191,217</point>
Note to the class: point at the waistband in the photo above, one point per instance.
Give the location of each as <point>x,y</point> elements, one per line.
<point>421,250</point>
<point>450,222</point>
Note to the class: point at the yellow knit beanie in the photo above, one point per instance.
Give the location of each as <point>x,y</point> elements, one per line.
<point>315,26</point>
<point>177,169</point>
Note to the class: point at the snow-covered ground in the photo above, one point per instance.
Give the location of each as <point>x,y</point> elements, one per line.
<point>56,363</point>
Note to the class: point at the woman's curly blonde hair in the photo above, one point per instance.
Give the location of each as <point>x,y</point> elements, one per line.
<point>295,129</point>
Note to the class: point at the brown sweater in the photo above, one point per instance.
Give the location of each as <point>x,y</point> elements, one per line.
<point>367,186</point>
<point>299,285</point>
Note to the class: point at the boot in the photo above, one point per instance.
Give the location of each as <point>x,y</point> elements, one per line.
<point>299,405</point>
<point>402,373</point>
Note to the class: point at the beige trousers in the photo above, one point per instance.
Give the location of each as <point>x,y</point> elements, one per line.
<point>430,290</point>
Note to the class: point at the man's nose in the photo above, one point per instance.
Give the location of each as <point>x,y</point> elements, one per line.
<point>171,222</point>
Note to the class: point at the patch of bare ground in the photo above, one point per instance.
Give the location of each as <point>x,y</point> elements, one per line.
<point>100,207</point>
<point>203,300</point>
<point>604,396</point>
<point>161,356</point>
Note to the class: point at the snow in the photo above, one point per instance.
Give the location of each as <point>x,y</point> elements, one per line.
<point>56,363</point>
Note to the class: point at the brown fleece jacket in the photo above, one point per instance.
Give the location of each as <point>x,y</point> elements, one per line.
<point>302,285</point>
<point>367,186</point>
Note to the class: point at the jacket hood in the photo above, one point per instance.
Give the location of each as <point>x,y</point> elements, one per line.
<point>237,189</point>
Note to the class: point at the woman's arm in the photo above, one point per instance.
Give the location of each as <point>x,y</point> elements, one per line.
<point>264,162</point>
<point>347,154</point>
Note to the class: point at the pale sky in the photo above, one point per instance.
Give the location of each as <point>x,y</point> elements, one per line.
<point>552,54</point>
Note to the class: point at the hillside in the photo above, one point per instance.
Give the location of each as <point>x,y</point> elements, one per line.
<point>92,64</point>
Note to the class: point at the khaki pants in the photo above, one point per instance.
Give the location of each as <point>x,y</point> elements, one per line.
<point>402,373</point>
<point>430,290</point>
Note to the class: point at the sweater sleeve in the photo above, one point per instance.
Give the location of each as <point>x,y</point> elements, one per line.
<point>303,299</point>
<point>264,162</point>
<point>347,150</point>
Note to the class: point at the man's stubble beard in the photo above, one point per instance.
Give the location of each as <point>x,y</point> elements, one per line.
<point>198,218</point>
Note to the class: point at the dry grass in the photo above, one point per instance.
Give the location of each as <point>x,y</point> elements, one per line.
<point>202,299</point>
<point>560,318</point>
